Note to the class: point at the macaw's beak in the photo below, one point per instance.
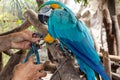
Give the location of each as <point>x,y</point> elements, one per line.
<point>43,19</point>
<point>44,13</point>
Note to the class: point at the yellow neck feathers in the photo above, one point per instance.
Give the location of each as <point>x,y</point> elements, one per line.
<point>48,38</point>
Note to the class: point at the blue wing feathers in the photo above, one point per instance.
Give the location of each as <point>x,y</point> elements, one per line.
<point>86,69</point>
<point>85,57</point>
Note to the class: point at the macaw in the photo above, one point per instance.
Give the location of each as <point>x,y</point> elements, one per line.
<point>71,32</point>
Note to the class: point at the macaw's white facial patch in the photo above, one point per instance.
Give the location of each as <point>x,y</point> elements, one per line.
<point>46,10</point>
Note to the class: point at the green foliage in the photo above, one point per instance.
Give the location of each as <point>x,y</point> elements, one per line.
<point>84,1</point>
<point>16,8</point>
<point>32,28</point>
<point>11,13</point>
<point>18,22</point>
<point>7,22</point>
<point>7,16</point>
<point>118,0</point>
<point>5,59</point>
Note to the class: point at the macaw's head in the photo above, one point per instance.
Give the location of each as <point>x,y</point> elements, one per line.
<point>45,11</point>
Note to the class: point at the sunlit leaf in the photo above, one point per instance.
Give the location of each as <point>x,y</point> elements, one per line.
<point>32,28</point>
<point>18,22</point>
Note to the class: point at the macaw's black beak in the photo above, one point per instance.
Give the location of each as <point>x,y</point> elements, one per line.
<point>43,19</point>
<point>40,17</point>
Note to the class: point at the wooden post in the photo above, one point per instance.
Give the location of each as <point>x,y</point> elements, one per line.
<point>108,27</point>
<point>107,64</point>
<point>7,72</point>
<point>117,34</point>
<point>39,2</point>
<point>1,61</point>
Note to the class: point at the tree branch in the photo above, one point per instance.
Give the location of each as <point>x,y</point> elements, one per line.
<point>117,34</point>
<point>7,72</point>
<point>112,57</point>
<point>21,27</point>
<point>108,26</point>
<point>1,61</point>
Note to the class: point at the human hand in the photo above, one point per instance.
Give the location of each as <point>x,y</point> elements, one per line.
<point>28,71</point>
<point>22,40</point>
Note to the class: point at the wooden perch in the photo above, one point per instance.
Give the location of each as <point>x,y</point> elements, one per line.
<point>112,57</point>
<point>32,17</point>
<point>115,76</point>
<point>50,67</point>
<point>67,71</point>
<point>7,72</point>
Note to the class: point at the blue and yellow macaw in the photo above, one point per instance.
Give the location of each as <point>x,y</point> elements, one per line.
<point>64,26</point>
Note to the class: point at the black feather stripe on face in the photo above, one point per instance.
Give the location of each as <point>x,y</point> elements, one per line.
<point>43,19</point>
<point>40,17</point>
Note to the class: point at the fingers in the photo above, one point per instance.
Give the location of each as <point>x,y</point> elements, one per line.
<point>28,35</point>
<point>22,40</point>
<point>24,36</point>
<point>36,66</point>
<point>20,45</point>
<point>33,71</point>
<point>42,74</point>
<point>39,67</point>
<point>39,75</point>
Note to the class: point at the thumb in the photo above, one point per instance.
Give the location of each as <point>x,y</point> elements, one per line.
<point>30,60</point>
<point>20,45</point>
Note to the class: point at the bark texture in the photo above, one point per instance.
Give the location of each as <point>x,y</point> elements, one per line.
<point>7,72</point>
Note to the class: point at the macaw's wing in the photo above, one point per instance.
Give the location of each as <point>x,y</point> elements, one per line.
<point>87,54</point>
